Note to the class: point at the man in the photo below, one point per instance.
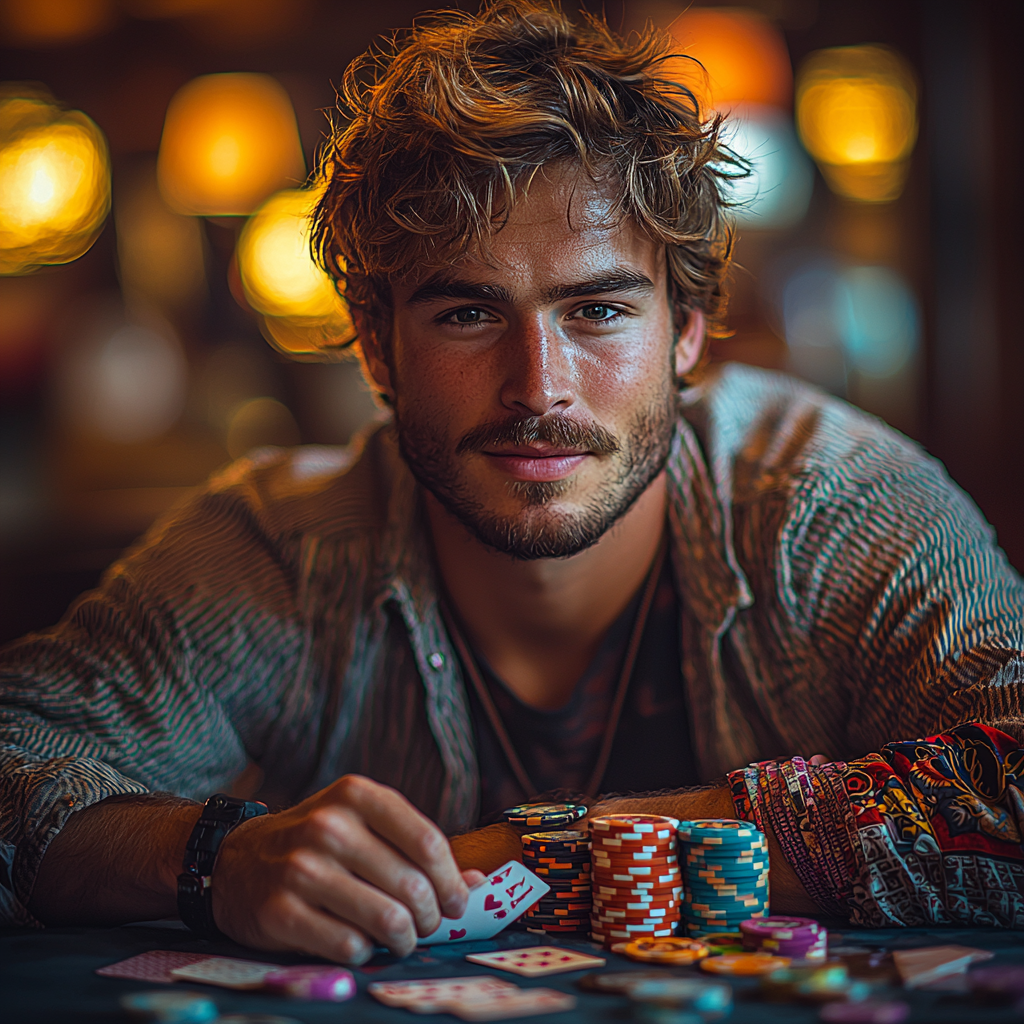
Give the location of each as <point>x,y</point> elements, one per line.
<point>561,524</point>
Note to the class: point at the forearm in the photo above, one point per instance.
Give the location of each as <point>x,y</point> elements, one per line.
<point>788,896</point>
<point>115,861</point>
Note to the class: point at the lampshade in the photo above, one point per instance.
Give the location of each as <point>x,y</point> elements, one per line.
<point>229,141</point>
<point>743,54</point>
<point>857,116</point>
<point>54,183</point>
<point>302,312</point>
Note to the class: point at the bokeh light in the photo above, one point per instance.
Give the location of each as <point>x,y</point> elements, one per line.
<point>54,183</point>
<point>857,115</point>
<point>302,312</point>
<point>744,56</point>
<point>777,192</point>
<point>839,319</point>
<point>259,422</point>
<point>229,141</point>
<point>124,381</point>
<point>54,22</point>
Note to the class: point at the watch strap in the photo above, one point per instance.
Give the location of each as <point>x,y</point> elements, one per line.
<point>221,813</point>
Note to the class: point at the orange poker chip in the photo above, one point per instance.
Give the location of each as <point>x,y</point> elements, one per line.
<point>650,824</point>
<point>670,950</point>
<point>745,963</point>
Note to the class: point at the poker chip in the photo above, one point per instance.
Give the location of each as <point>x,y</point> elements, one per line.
<point>869,1011</point>
<point>800,938</point>
<point>551,816</point>
<point>169,1007</point>
<point>672,950</point>
<point>710,999</point>
<point>708,830</point>
<point>636,877</point>
<point>322,983</point>
<point>744,963</point>
<point>562,859</point>
<point>617,983</point>
<point>724,942</point>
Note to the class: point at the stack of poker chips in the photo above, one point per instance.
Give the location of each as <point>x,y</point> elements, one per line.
<point>799,938</point>
<point>725,874</point>
<point>635,877</point>
<point>562,859</point>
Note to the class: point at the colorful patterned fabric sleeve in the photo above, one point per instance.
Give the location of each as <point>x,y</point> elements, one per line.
<point>924,832</point>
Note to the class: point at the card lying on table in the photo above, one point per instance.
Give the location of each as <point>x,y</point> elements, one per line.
<point>522,1002</point>
<point>493,905</point>
<point>226,971</point>
<point>536,961</point>
<point>155,966</point>
<point>436,992</point>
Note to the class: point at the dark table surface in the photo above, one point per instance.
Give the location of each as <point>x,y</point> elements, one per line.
<point>49,976</point>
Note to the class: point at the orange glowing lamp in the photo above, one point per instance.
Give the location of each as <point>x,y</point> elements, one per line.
<point>229,141</point>
<point>857,116</point>
<point>302,313</point>
<point>744,56</point>
<point>54,183</point>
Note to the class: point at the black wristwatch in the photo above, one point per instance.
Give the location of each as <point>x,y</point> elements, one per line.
<point>220,815</point>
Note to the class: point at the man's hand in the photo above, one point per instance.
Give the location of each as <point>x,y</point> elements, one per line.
<point>352,865</point>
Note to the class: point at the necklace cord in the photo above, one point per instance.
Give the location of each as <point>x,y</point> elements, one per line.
<point>494,716</point>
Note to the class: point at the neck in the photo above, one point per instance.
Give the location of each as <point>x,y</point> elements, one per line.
<point>538,623</point>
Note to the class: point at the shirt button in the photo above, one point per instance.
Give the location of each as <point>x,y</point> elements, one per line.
<point>436,660</point>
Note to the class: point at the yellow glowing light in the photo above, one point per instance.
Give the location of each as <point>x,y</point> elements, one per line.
<point>229,141</point>
<point>302,310</point>
<point>54,184</point>
<point>857,116</point>
<point>744,58</point>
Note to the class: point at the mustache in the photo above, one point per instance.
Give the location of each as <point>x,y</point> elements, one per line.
<point>558,431</point>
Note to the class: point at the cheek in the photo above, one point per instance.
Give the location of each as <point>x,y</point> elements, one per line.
<point>622,378</point>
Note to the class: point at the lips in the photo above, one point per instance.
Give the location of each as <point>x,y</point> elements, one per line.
<point>531,463</point>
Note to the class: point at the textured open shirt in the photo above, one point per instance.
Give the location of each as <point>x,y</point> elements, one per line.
<point>836,591</point>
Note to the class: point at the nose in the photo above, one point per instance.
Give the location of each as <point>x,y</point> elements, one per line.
<point>539,368</point>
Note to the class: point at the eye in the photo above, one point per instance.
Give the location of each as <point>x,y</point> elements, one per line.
<point>598,311</point>
<point>468,316</point>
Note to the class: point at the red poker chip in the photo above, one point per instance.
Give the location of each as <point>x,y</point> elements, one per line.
<point>623,878</point>
<point>616,892</point>
<point>647,909</point>
<point>647,843</point>
<point>654,913</point>
<point>618,862</point>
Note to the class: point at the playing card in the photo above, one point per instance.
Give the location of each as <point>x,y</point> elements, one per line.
<point>535,961</point>
<point>155,966</point>
<point>520,1002</point>
<point>432,995</point>
<point>494,904</point>
<point>226,972</point>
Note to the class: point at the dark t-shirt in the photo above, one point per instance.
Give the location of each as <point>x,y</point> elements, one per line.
<point>652,748</point>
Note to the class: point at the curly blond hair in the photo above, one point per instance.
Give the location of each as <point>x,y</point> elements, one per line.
<point>445,127</point>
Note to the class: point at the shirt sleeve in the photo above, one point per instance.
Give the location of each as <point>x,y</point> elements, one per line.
<point>924,832</point>
<point>167,678</point>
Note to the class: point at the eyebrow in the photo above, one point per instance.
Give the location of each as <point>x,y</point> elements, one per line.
<point>454,288</point>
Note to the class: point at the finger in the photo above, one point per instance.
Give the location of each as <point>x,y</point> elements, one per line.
<point>321,883</point>
<point>360,852</point>
<point>295,925</point>
<point>390,815</point>
<point>473,878</point>
<point>818,759</point>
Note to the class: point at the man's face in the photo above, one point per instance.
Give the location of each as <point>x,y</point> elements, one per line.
<point>534,388</point>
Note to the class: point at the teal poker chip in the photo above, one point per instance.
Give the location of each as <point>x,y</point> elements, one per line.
<point>720,829</point>
<point>545,815</point>
<point>169,1007</point>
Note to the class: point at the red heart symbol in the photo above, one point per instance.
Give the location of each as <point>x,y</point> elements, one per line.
<point>501,913</point>
<point>456,933</point>
<point>490,903</point>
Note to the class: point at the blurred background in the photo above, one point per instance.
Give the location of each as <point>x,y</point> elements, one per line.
<point>159,314</point>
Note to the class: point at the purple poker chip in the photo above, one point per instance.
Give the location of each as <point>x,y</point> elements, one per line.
<point>867,1012</point>
<point>324,983</point>
<point>780,928</point>
<point>1002,983</point>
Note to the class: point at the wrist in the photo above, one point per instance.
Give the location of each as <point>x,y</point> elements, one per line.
<point>488,848</point>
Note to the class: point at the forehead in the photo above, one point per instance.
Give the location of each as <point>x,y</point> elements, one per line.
<point>565,227</point>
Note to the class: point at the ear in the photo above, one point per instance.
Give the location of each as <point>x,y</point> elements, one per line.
<point>375,364</point>
<point>689,344</point>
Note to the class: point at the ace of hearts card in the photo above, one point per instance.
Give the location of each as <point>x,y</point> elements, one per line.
<point>493,905</point>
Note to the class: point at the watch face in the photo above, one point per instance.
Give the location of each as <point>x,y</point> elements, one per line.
<point>189,885</point>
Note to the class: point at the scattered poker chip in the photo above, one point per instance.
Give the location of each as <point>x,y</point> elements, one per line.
<point>329,984</point>
<point>673,950</point>
<point>724,942</point>
<point>545,815</point>
<point>869,1011</point>
<point>169,1007</point>
<point>779,927</point>
<point>744,963</point>
<point>617,983</point>
<point>709,999</point>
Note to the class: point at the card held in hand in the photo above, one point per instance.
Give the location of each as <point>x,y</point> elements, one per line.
<point>493,905</point>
